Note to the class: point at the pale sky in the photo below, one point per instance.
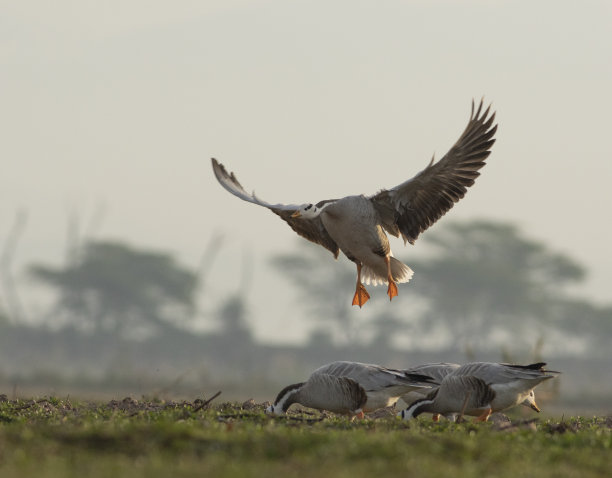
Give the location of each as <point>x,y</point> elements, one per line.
<point>117,106</point>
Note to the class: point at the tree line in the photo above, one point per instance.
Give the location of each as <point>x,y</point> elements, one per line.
<point>478,284</point>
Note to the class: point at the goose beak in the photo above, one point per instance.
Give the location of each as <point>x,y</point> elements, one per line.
<point>533,406</point>
<point>296,214</point>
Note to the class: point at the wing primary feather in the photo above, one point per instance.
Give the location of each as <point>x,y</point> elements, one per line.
<point>419,202</point>
<point>311,229</point>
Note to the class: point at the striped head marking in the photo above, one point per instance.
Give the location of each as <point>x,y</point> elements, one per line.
<point>415,409</point>
<point>285,398</point>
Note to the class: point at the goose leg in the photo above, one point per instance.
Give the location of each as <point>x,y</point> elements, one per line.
<point>435,417</point>
<point>392,289</point>
<point>361,294</point>
<point>484,417</point>
<point>358,414</point>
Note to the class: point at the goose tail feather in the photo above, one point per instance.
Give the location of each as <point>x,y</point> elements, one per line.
<point>378,276</point>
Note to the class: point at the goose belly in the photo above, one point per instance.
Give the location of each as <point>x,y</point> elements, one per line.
<point>354,225</point>
<point>339,408</point>
<point>453,406</point>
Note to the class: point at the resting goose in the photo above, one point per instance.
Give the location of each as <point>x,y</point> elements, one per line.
<point>357,225</point>
<point>509,385</point>
<point>338,386</point>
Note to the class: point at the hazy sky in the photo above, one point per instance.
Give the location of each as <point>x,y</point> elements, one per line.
<point>115,108</point>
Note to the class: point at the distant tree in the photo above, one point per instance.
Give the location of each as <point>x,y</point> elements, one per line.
<point>324,287</point>
<point>484,278</point>
<point>232,317</point>
<point>585,322</point>
<point>478,283</point>
<point>10,300</point>
<point>112,286</point>
<point>320,340</point>
<point>385,326</point>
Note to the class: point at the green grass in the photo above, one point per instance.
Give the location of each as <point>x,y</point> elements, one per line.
<point>57,438</point>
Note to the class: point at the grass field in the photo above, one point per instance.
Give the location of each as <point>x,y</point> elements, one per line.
<point>53,437</point>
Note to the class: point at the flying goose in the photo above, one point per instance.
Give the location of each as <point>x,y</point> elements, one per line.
<point>338,386</point>
<point>509,385</point>
<point>357,225</point>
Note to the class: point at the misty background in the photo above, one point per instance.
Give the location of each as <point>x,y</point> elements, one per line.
<point>126,268</point>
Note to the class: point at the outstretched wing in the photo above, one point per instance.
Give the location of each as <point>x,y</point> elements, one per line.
<point>411,207</point>
<point>311,229</point>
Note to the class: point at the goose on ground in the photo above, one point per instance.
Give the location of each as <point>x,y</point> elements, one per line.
<point>437,371</point>
<point>358,225</point>
<point>513,384</point>
<point>454,395</point>
<point>323,392</point>
<point>383,386</point>
<point>510,384</point>
<point>338,386</point>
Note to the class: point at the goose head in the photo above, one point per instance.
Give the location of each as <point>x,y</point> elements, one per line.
<point>530,401</point>
<point>415,409</point>
<point>285,398</point>
<point>307,211</point>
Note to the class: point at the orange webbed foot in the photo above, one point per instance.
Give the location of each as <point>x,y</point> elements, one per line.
<point>361,295</point>
<point>392,290</point>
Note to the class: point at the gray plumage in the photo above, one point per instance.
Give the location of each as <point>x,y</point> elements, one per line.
<point>455,393</point>
<point>511,385</point>
<point>357,225</point>
<point>322,392</point>
<point>383,386</point>
<point>354,223</point>
<point>437,371</point>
